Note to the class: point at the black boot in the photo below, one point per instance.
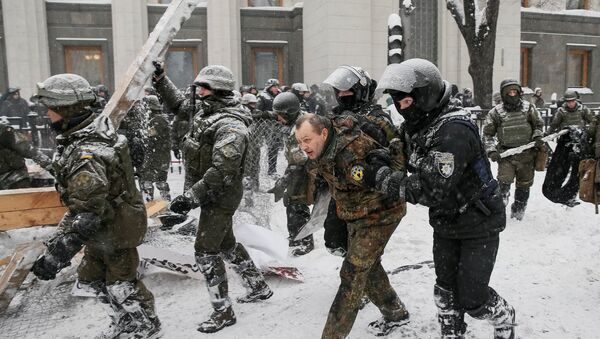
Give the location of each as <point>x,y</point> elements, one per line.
<point>505,191</point>
<point>394,319</point>
<point>498,313</point>
<point>213,268</point>
<point>450,316</point>
<point>517,209</point>
<point>251,277</point>
<point>303,246</point>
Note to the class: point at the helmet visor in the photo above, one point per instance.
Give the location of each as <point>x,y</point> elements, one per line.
<point>342,79</point>
<point>397,77</point>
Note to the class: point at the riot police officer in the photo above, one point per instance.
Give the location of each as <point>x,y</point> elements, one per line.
<point>265,103</point>
<point>106,214</point>
<point>451,175</point>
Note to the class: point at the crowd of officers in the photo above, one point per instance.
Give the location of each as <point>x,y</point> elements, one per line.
<point>372,168</point>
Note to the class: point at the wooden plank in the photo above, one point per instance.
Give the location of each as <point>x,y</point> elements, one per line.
<point>155,206</point>
<point>17,270</point>
<point>28,218</point>
<point>29,198</point>
<point>140,70</point>
<point>5,260</point>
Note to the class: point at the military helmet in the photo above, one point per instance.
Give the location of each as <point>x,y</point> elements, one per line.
<point>152,102</point>
<point>217,77</point>
<point>287,105</point>
<point>12,90</point>
<point>418,77</point>
<point>352,78</point>
<point>102,88</point>
<point>570,95</point>
<point>270,83</point>
<point>300,87</point>
<point>64,90</point>
<point>249,98</point>
<point>508,84</point>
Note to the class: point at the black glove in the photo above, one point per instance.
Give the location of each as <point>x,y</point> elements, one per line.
<point>279,189</point>
<point>87,224</point>
<point>494,156</point>
<point>376,160</point>
<point>181,204</point>
<point>44,269</point>
<point>177,154</point>
<point>159,71</point>
<point>539,143</point>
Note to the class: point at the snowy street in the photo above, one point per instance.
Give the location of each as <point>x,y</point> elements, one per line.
<point>547,267</point>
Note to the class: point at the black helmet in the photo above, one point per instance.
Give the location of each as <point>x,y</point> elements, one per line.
<point>287,106</point>
<point>418,77</point>
<point>351,78</point>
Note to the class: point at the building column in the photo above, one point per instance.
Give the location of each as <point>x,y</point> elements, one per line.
<point>224,36</point>
<point>130,32</point>
<point>341,32</point>
<point>26,42</point>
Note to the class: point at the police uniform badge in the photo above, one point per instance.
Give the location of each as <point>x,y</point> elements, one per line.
<point>357,173</point>
<point>444,162</point>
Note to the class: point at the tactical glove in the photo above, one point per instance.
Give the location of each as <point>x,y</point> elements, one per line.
<point>159,71</point>
<point>494,156</point>
<point>378,162</point>
<point>44,269</point>
<point>182,204</point>
<point>279,189</point>
<point>87,224</point>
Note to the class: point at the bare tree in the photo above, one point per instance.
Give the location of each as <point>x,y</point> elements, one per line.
<point>478,29</point>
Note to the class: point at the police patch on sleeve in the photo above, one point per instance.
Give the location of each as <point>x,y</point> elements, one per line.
<point>444,162</point>
<point>82,181</point>
<point>357,173</point>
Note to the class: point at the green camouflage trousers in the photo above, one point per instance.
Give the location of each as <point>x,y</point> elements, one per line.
<point>215,230</point>
<point>110,267</point>
<point>362,274</point>
<point>520,166</point>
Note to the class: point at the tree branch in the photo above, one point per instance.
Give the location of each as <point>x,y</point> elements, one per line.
<point>457,15</point>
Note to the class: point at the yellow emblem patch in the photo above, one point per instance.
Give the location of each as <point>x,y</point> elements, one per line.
<point>82,180</point>
<point>357,172</point>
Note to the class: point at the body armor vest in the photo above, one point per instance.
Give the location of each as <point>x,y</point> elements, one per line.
<point>515,129</point>
<point>574,118</point>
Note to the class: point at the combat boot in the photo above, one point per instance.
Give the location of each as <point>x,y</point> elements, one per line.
<point>517,209</point>
<point>499,313</point>
<point>218,320</point>
<point>450,317</point>
<point>164,190</point>
<point>303,246</point>
<point>386,324</point>
<point>505,192</point>
<point>252,279</point>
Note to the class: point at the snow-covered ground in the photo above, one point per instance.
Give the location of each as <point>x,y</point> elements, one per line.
<point>548,267</point>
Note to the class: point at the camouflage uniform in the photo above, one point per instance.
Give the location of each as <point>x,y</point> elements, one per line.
<point>14,148</point>
<point>133,127</point>
<point>214,150</point>
<point>157,151</point>
<point>371,219</point>
<point>579,117</point>
<point>513,127</point>
<point>11,107</point>
<point>106,214</point>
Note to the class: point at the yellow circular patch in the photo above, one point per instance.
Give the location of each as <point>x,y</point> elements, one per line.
<point>357,173</point>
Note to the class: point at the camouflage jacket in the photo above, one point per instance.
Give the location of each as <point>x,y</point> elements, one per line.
<point>14,148</point>
<point>342,165</point>
<point>512,128</point>
<point>181,106</point>
<point>581,117</point>
<point>157,144</point>
<point>214,150</point>
<point>93,173</point>
<point>373,121</point>
<point>15,108</point>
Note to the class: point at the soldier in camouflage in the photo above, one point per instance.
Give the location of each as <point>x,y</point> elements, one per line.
<point>514,123</point>
<point>354,90</point>
<point>337,151</point>
<point>292,187</point>
<point>13,105</point>
<point>106,214</point>
<point>301,92</point>
<point>14,148</point>
<point>134,127</point>
<point>561,183</point>
<point>157,151</point>
<point>214,150</point>
<point>452,177</point>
